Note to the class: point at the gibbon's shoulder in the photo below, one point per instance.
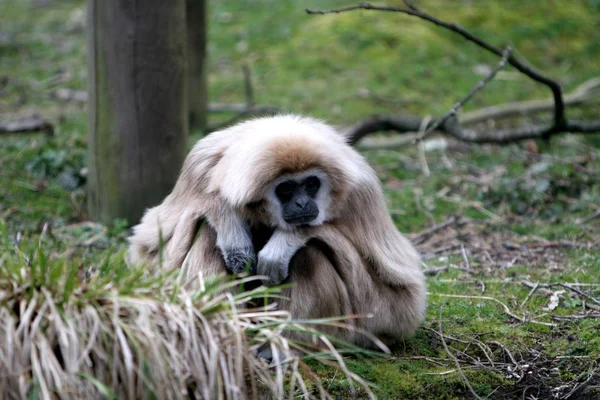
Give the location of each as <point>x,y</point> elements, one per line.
<point>259,150</point>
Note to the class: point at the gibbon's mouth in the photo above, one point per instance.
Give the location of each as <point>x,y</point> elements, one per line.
<point>301,219</point>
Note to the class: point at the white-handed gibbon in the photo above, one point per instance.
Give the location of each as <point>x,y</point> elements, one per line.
<point>288,196</point>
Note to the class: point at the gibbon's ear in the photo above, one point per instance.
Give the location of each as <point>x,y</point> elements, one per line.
<point>370,228</point>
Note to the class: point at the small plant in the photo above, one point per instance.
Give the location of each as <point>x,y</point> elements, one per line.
<point>67,166</point>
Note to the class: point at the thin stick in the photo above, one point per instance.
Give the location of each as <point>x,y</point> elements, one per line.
<point>591,217</point>
<point>507,310</point>
<point>456,363</point>
<point>531,292</point>
<point>568,286</point>
<point>430,231</point>
<point>30,124</point>
<point>480,85</point>
<point>422,157</point>
<point>464,256</point>
<point>248,86</point>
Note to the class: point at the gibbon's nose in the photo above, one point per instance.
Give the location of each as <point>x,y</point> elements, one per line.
<point>302,201</point>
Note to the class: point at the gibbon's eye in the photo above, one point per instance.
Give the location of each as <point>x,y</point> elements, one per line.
<point>285,189</point>
<point>312,185</point>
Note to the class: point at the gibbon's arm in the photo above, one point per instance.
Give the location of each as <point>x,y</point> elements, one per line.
<point>368,225</point>
<point>274,258</point>
<point>233,237</point>
<point>171,221</point>
<point>178,222</point>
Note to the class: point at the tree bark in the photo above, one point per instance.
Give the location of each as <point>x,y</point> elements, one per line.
<point>197,79</point>
<point>137,112</point>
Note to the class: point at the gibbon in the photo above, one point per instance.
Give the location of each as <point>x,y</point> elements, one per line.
<point>289,197</point>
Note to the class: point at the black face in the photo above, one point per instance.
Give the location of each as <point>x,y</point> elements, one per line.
<point>297,200</point>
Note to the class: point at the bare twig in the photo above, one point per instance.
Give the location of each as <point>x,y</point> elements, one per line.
<point>587,90</point>
<point>453,357</point>
<point>480,85</point>
<point>506,351</point>
<point>440,250</point>
<point>587,315</point>
<point>78,96</point>
<point>563,285</point>
<point>451,125</point>
<point>422,133</point>
<point>464,257</point>
<point>29,124</point>
<point>526,69</point>
<point>247,111</point>
<point>82,97</point>
<point>424,235</point>
<point>435,271</point>
<point>591,217</point>
<point>507,310</point>
<point>531,292</point>
<point>248,86</point>
<point>239,107</point>
<point>579,292</point>
<point>578,387</point>
<point>241,110</point>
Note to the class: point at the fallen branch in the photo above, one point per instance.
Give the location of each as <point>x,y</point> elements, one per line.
<point>453,128</point>
<point>78,96</point>
<point>424,235</point>
<point>449,124</point>
<point>81,96</point>
<point>30,124</point>
<point>586,91</point>
<point>435,271</point>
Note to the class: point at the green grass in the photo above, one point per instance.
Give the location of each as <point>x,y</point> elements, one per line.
<point>321,65</point>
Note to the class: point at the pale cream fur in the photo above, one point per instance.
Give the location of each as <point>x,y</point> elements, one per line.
<point>354,261</point>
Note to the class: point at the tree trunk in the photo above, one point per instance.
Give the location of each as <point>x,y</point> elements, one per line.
<point>197,80</point>
<point>137,113</point>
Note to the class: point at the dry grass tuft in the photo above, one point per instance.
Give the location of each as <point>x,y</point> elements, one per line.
<point>109,331</point>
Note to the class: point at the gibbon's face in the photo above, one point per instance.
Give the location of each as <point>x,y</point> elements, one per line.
<point>299,199</point>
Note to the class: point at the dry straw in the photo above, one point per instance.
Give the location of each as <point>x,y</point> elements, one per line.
<point>70,330</point>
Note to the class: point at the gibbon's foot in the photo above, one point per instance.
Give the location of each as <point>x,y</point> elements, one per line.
<point>275,269</point>
<point>239,260</point>
<point>266,354</point>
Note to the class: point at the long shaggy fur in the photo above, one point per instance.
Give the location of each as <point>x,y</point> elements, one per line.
<point>355,261</point>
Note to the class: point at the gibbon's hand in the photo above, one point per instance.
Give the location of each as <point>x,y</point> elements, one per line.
<point>274,259</point>
<point>240,259</point>
<point>276,269</point>
<point>233,240</point>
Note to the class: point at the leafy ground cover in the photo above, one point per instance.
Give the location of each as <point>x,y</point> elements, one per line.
<point>514,261</point>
